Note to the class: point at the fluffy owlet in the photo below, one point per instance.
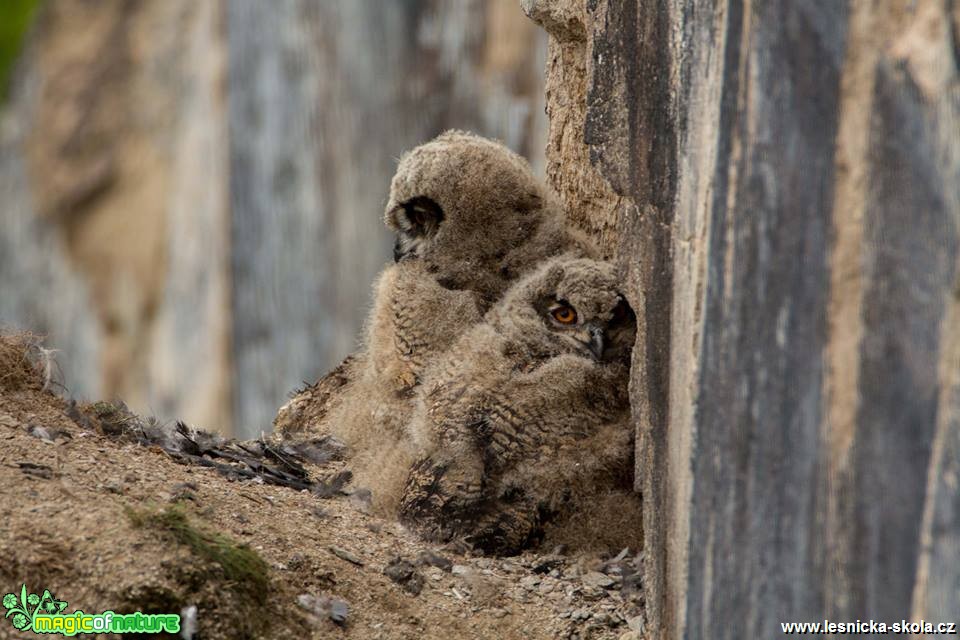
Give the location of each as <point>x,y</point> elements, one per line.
<point>470,218</point>
<point>527,414</point>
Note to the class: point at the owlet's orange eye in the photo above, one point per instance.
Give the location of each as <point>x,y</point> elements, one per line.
<point>564,314</point>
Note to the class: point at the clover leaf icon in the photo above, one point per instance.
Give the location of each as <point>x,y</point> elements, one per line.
<point>50,605</point>
<point>20,621</point>
<point>22,609</point>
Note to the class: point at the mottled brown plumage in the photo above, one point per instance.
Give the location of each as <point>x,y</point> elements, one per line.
<point>311,403</point>
<point>470,218</point>
<point>473,212</point>
<point>527,413</point>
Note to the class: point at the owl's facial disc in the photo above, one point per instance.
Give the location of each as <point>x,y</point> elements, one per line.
<point>588,337</point>
<point>416,221</point>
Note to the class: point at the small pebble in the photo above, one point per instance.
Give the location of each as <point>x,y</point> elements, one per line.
<point>325,606</point>
<point>597,579</point>
<point>636,624</point>
<point>433,559</point>
<point>405,574</point>
<point>343,554</point>
<point>529,582</point>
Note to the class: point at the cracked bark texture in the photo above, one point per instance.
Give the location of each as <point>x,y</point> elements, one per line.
<point>778,182</point>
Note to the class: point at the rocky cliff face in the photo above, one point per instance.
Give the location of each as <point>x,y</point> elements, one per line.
<point>192,191</point>
<point>781,195</point>
<point>324,97</point>
<point>116,161</point>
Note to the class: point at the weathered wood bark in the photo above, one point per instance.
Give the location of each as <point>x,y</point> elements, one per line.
<point>197,186</point>
<point>785,181</point>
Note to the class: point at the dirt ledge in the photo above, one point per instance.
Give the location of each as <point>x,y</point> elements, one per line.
<point>106,523</point>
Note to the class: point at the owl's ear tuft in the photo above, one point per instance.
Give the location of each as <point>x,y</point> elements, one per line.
<point>418,217</point>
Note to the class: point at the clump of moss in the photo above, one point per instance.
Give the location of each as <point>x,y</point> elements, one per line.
<point>15,19</point>
<point>241,565</point>
<point>102,408</point>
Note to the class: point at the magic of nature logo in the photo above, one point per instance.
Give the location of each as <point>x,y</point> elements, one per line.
<point>45,614</point>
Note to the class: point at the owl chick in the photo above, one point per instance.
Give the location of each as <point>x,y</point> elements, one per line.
<point>527,413</point>
<point>469,217</point>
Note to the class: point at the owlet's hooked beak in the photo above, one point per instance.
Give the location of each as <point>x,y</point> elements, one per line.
<point>596,342</point>
<point>593,338</point>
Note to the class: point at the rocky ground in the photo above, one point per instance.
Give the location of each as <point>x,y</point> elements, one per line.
<point>245,540</point>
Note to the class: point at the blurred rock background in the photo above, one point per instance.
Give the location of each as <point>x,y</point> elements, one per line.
<point>191,191</point>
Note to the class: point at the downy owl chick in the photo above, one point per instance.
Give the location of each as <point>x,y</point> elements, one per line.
<point>470,217</point>
<point>527,413</point>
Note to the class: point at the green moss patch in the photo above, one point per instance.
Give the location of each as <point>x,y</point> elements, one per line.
<point>242,566</point>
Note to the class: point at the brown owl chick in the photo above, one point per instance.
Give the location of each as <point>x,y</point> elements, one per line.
<point>527,413</point>
<point>473,212</point>
<point>470,217</point>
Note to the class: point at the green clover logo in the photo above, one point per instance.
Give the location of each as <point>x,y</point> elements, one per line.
<point>20,622</point>
<point>50,605</point>
<point>25,609</point>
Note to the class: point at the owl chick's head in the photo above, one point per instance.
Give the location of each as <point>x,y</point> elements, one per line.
<point>462,203</point>
<point>570,305</point>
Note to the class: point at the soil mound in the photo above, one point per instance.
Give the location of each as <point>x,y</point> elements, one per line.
<point>110,511</point>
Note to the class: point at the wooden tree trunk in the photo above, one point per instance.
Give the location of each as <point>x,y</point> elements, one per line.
<point>782,194</point>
